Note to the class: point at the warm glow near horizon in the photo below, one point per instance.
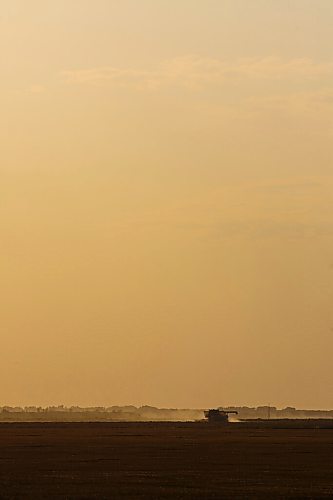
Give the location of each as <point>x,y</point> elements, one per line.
<point>166,202</point>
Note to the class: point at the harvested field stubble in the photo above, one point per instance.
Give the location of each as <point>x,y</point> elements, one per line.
<point>164,460</point>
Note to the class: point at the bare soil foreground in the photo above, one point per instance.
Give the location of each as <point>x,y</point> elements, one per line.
<point>164,461</point>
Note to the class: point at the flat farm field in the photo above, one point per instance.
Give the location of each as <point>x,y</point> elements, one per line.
<point>163,461</point>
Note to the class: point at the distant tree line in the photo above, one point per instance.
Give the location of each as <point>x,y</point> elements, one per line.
<point>148,413</point>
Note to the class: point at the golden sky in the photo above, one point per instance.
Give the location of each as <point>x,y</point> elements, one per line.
<point>166,205</point>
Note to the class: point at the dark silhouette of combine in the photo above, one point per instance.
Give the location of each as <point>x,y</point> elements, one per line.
<point>218,416</point>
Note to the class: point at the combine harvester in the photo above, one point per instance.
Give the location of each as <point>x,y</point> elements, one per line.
<point>221,417</point>
<point>218,416</point>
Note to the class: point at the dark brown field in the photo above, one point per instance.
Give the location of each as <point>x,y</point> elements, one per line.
<point>163,461</point>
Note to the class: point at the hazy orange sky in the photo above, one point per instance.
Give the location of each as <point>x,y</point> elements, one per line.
<point>166,202</point>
